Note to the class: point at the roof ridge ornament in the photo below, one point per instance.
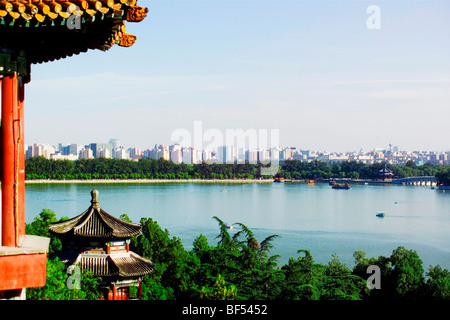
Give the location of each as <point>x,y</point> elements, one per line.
<point>94,200</point>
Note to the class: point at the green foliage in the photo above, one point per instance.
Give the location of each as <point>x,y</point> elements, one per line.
<point>402,275</point>
<point>39,227</point>
<point>438,283</point>
<point>302,280</point>
<point>340,284</point>
<point>443,176</point>
<point>240,267</point>
<point>119,169</point>
<point>174,266</point>
<point>219,291</point>
<point>56,285</point>
<point>356,170</point>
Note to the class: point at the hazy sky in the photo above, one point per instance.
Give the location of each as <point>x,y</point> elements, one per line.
<point>311,69</point>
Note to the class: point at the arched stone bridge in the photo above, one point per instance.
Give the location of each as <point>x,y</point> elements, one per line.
<point>417,181</point>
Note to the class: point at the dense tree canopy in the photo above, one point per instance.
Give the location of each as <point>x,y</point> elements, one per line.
<point>239,267</point>
<point>56,283</point>
<point>444,177</point>
<point>103,168</point>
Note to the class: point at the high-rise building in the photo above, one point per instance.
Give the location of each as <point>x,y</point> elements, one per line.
<point>121,153</point>
<point>73,148</point>
<point>165,152</point>
<point>97,147</point>
<point>175,154</point>
<point>251,156</point>
<point>221,154</point>
<point>206,156</point>
<point>196,156</point>
<point>30,152</point>
<point>85,153</point>
<point>186,155</point>
<point>135,153</point>
<point>104,153</point>
<point>115,143</point>
<point>226,154</point>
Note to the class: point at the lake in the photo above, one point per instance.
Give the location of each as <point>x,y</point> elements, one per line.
<point>320,219</point>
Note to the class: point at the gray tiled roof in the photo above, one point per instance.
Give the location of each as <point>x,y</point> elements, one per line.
<point>96,223</point>
<point>124,264</point>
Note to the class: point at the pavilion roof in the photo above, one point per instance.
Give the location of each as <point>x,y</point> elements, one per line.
<point>96,223</point>
<point>37,31</point>
<point>123,265</point>
<point>385,170</point>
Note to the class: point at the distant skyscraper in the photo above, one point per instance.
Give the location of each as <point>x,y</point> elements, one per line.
<point>186,155</point>
<point>221,154</point>
<point>85,153</point>
<point>97,147</point>
<point>115,143</point>
<point>176,156</point>
<point>121,153</point>
<point>73,149</point>
<point>226,154</point>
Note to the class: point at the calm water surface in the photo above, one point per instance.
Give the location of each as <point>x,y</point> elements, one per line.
<point>320,219</point>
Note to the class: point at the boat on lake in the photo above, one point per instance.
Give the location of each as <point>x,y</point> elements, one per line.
<point>341,186</point>
<point>278,180</point>
<point>380,214</point>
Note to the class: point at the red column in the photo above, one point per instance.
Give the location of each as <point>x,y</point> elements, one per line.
<point>12,160</point>
<point>21,162</point>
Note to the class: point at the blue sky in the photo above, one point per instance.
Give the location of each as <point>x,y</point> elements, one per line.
<point>311,69</point>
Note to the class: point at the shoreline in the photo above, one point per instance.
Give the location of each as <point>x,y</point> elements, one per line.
<point>153,181</point>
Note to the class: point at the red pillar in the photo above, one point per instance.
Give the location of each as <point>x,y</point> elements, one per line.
<point>12,160</point>
<point>21,162</point>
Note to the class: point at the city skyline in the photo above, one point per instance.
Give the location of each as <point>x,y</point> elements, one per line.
<point>231,154</point>
<point>311,69</point>
<point>117,143</point>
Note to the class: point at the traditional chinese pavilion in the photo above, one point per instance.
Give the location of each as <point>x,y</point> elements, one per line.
<point>38,31</point>
<point>99,242</point>
<point>385,173</point>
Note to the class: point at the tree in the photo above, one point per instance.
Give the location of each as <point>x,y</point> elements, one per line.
<point>39,227</point>
<point>240,267</point>
<point>301,280</point>
<point>244,263</point>
<point>340,284</point>
<point>56,285</point>
<point>437,284</point>
<point>174,267</point>
<point>443,177</point>
<point>407,273</point>
<point>402,274</point>
<point>219,291</point>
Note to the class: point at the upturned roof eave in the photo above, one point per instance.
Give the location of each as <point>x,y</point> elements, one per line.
<point>96,223</point>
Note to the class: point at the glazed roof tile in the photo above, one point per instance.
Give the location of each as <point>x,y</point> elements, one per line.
<point>37,31</point>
